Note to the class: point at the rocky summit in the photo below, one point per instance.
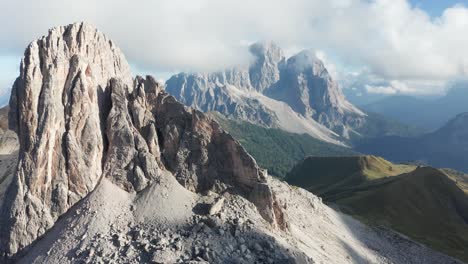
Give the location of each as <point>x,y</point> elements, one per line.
<point>112,169</point>
<point>80,117</point>
<point>296,94</point>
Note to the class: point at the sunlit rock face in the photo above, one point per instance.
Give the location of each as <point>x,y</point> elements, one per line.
<point>301,82</point>
<point>80,117</point>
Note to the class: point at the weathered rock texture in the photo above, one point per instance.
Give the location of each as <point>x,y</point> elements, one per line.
<point>224,91</point>
<point>264,71</point>
<point>302,82</point>
<point>80,117</point>
<point>308,88</point>
<point>218,92</point>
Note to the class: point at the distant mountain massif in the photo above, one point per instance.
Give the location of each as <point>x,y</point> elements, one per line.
<point>296,94</point>
<point>425,114</point>
<point>445,147</point>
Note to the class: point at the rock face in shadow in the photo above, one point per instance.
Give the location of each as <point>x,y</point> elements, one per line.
<point>80,116</point>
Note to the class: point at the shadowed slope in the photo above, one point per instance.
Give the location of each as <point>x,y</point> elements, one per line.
<point>425,204</point>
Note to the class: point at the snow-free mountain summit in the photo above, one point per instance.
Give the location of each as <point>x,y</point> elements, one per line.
<point>111,168</point>
<point>296,94</point>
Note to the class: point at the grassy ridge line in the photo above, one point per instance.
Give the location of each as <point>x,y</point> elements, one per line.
<point>333,175</point>
<point>423,203</point>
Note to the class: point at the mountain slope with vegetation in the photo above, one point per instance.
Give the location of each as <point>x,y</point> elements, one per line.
<point>423,203</point>
<point>275,149</point>
<point>333,177</point>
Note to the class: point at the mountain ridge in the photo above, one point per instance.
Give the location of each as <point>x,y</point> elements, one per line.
<point>112,168</point>
<point>421,202</point>
<point>320,103</point>
<point>445,147</point>
<point>130,152</point>
<point>426,114</point>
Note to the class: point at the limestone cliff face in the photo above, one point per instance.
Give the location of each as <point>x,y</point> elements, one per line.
<point>55,109</point>
<point>301,81</point>
<point>220,92</point>
<point>230,92</point>
<point>80,116</point>
<point>308,88</point>
<point>264,71</point>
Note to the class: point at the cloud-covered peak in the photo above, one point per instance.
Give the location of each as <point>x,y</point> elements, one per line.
<point>306,60</point>
<point>266,48</point>
<point>391,38</point>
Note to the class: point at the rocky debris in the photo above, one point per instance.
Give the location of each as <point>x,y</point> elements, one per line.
<point>102,230</point>
<point>80,117</point>
<point>216,206</point>
<point>227,237</point>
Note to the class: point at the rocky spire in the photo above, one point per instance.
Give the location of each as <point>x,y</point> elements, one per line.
<point>306,85</point>
<point>55,108</point>
<point>264,71</point>
<point>80,117</point>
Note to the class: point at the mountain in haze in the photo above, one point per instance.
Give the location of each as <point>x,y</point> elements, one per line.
<point>445,147</point>
<point>295,94</point>
<point>428,114</point>
<point>357,94</point>
<point>308,88</point>
<point>423,203</point>
<point>112,169</point>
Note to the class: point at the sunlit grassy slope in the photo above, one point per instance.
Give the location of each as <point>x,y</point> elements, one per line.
<point>334,176</point>
<point>423,203</point>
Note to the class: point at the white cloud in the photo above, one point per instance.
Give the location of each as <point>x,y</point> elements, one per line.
<point>380,89</point>
<point>331,67</point>
<point>394,87</point>
<point>393,40</point>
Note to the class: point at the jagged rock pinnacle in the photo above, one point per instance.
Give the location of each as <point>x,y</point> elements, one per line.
<point>81,117</point>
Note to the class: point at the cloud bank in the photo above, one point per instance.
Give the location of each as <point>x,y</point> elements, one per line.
<point>389,38</point>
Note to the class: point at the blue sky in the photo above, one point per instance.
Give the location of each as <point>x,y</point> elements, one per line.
<point>436,7</point>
